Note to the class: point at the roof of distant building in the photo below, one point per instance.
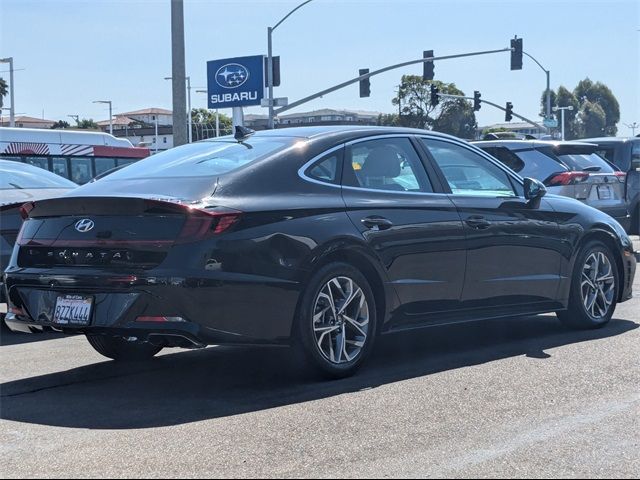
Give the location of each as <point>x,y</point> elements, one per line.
<point>331,111</point>
<point>148,111</point>
<point>25,119</point>
<point>512,126</point>
<point>118,120</point>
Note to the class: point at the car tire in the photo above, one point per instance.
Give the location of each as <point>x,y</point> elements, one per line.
<point>336,341</point>
<point>594,289</point>
<point>120,350</point>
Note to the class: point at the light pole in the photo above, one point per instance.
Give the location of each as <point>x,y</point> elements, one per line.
<point>110,114</point>
<point>548,73</point>
<point>633,127</point>
<point>217,115</point>
<point>270,59</point>
<point>188,105</point>
<point>12,106</point>
<point>555,109</point>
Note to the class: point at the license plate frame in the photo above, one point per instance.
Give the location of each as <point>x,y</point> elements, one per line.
<point>601,192</point>
<point>72,310</point>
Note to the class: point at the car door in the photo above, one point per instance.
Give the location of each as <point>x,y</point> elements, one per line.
<point>416,233</point>
<point>513,245</point>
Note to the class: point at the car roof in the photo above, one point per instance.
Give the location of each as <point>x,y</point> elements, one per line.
<point>530,143</point>
<point>347,131</point>
<point>611,140</point>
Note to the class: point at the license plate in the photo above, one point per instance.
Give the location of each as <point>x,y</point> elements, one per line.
<point>605,192</point>
<point>73,310</point>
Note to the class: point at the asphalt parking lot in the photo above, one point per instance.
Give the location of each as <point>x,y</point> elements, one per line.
<point>520,397</point>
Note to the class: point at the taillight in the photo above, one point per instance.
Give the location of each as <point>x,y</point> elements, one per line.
<point>26,209</point>
<point>201,223</point>
<point>621,176</point>
<point>567,178</point>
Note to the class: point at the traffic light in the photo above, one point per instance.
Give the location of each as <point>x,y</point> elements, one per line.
<point>508,115</point>
<point>365,85</point>
<point>276,71</point>
<point>516,54</point>
<point>434,95</point>
<point>427,67</point>
<point>476,101</point>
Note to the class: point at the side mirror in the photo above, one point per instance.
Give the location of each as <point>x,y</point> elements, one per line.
<point>534,189</point>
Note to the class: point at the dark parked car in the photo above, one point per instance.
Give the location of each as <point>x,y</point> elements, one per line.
<point>625,154</point>
<point>570,169</point>
<point>20,183</point>
<point>319,238</point>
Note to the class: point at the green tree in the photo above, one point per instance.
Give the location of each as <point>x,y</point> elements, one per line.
<point>204,121</point>
<point>592,120</point>
<point>60,124</point>
<point>87,124</point>
<point>388,120</point>
<point>3,90</point>
<point>600,94</point>
<point>451,115</point>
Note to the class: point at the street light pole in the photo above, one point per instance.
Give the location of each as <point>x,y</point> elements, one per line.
<point>548,73</point>
<point>110,114</point>
<point>562,109</point>
<point>270,60</point>
<point>12,106</point>
<point>188,79</point>
<point>633,127</point>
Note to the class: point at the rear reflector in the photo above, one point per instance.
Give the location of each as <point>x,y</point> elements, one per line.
<point>17,311</point>
<point>567,178</point>
<point>622,177</point>
<point>160,319</point>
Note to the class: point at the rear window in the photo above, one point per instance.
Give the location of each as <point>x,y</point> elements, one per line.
<point>201,159</point>
<point>587,161</point>
<point>537,165</point>
<point>27,177</point>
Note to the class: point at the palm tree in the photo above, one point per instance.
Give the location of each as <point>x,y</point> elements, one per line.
<point>3,90</point>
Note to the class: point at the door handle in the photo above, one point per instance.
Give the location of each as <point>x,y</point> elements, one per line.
<point>380,223</point>
<point>478,222</point>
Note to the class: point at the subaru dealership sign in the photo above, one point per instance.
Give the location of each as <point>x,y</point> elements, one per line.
<point>235,82</point>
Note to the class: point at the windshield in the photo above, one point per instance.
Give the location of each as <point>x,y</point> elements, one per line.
<point>202,159</point>
<point>592,162</point>
<point>20,176</point>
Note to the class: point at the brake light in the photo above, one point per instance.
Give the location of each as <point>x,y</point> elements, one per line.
<point>567,178</point>
<point>25,209</point>
<point>201,223</point>
<point>621,176</point>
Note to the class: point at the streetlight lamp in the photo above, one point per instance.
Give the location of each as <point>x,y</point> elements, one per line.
<point>12,106</point>
<point>633,127</point>
<point>270,59</point>
<point>110,115</point>
<point>548,73</point>
<point>217,116</point>
<point>562,109</point>
<point>188,104</point>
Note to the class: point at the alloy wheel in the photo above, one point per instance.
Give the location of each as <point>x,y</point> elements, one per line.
<point>341,320</point>
<point>598,285</point>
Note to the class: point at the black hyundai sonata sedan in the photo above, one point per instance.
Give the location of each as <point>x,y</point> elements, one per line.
<point>317,238</point>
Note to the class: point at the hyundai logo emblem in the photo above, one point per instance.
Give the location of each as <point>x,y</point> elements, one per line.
<point>85,225</point>
<point>232,75</point>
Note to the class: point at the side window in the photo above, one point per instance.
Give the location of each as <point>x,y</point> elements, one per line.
<point>81,170</point>
<point>42,162</point>
<point>390,164</point>
<point>468,173</point>
<point>327,168</point>
<point>104,164</point>
<point>60,166</point>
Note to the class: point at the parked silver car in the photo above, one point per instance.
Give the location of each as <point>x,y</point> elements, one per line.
<point>571,169</point>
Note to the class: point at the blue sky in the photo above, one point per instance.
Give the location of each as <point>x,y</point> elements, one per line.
<point>76,51</point>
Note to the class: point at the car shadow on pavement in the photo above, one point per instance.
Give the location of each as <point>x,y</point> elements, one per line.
<point>186,387</point>
<point>14,338</point>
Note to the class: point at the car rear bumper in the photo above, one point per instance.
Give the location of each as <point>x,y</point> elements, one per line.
<point>218,309</point>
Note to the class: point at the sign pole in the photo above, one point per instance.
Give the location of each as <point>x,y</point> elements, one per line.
<point>238,117</point>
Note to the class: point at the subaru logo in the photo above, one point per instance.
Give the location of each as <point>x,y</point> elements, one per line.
<point>232,75</point>
<point>85,225</point>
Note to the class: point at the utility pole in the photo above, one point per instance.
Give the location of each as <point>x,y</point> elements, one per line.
<point>12,106</point>
<point>178,73</point>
